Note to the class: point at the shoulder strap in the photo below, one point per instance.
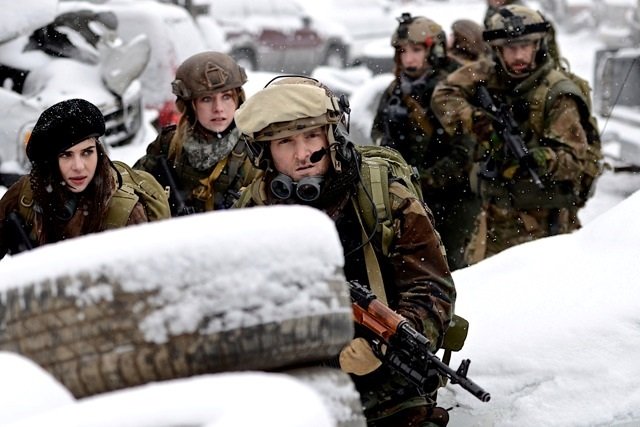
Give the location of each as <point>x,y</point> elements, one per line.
<point>26,207</point>
<point>25,202</point>
<point>120,207</point>
<point>374,206</point>
<point>374,274</point>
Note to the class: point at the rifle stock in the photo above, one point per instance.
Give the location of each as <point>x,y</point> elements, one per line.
<point>506,126</point>
<point>402,348</point>
<point>181,207</point>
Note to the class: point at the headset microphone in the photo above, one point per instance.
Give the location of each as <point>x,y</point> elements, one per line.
<point>316,156</point>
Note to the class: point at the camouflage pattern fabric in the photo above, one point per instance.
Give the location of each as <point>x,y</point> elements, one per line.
<point>189,177</point>
<point>417,281</point>
<point>515,209</point>
<point>443,161</point>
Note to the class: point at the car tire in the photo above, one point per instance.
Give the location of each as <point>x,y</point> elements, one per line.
<point>98,346</point>
<point>246,59</point>
<point>336,56</point>
<point>337,391</point>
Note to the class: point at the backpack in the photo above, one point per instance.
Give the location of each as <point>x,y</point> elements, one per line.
<point>137,185</point>
<point>380,166</point>
<point>594,167</point>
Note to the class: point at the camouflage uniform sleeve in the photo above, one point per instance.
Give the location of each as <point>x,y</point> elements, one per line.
<point>426,292</point>
<point>565,140</point>
<point>450,100</point>
<point>453,169</point>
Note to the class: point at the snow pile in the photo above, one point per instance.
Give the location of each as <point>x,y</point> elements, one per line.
<point>231,266</point>
<point>26,389</point>
<point>553,327</point>
<point>220,400</point>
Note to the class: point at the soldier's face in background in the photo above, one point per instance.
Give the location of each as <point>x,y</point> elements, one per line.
<point>215,111</point>
<point>78,165</point>
<point>291,155</point>
<point>413,57</point>
<point>519,58</point>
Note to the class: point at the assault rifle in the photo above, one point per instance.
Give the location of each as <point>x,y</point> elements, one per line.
<point>179,206</point>
<point>19,239</point>
<point>407,351</point>
<point>507,127</point>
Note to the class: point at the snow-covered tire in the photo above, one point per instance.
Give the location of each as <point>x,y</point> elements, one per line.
<point>99,328</point>
<point>337,391</point>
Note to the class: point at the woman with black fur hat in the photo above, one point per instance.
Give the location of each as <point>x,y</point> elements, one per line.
<point>73,187</point>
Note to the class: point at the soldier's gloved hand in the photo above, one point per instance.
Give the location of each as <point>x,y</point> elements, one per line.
<point>481,126</point>
<point>539,159</point>
<point>358,358</point>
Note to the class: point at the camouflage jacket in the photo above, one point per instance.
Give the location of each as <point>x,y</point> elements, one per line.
<point>416,276</point>
<point>203,190</point>
<point>556,125</point>
<point>417,280</point>
<point>407,123</point>
<point>19,198</point>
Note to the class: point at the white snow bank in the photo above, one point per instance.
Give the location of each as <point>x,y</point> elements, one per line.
<point>25,389</point>
<point>555,326</point>
<point>222,400</point>
<point>218,263</point>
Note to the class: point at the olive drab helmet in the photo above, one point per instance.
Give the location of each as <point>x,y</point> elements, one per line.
<point>420,30</point>
<point>467,39</point>
<point>515,24</point>
<point>287,106</point>
<point>206,73</point>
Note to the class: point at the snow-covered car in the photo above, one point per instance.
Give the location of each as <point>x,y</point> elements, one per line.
<point>364,20</point>
<point>77,54</point>
<point>173,35</point>
<point>277,35</point>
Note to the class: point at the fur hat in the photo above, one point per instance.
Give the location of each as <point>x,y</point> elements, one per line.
<point>63,125</point>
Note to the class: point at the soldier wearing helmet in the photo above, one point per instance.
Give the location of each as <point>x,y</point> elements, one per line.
<point>466,43</point>
<point>550,112</point>
<point>404,121</point>
<point>202,159</point>
<point>297,133</point>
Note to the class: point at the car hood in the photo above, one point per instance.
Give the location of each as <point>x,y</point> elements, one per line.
<point>22,17</point>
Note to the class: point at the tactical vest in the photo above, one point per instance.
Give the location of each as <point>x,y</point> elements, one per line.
<point>209,189</point>
<point>137,186</point>
<point>561,82</point>
<point>540,94</point>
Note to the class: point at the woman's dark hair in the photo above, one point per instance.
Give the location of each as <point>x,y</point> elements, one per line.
<point>56,204</point>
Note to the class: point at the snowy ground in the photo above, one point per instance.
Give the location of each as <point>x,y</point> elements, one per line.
<point>554,323</point>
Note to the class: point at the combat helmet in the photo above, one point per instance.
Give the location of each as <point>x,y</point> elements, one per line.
<point>206,73</point>
<point>287,106</point>
<point>420,30</point>
<point>467,39</point>
<point>515,24</point>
